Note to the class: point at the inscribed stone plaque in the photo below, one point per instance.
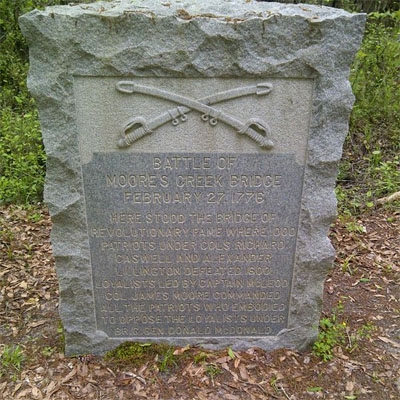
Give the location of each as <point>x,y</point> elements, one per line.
<point>192,152</point>
<point>192,244</point>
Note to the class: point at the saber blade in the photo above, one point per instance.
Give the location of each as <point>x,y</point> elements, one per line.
<point>202,105</point>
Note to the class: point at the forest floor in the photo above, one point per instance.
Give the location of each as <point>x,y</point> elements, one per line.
<point>360,343</point>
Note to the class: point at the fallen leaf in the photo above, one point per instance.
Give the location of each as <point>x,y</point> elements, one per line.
<point>23,285</point>
<point>52,385</point>
<point>243,373</point>
<point>38,323</point>
<point>37,393</point>
<point>231,397</point>
<point>181,350</point>
<point>24,393</point>
<point>389,341</point>
<point>223,360</point>
<point>69,376</point>
<point>349,386</point>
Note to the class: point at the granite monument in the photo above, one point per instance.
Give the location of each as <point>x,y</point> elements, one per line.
<point>192,151</point>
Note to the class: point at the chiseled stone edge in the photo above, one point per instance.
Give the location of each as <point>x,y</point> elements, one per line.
<point>235,39</point>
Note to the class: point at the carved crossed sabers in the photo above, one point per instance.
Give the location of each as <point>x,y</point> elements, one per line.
<point>255,128</point>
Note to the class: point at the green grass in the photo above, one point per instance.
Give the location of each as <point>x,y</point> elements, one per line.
<point>11,359</point>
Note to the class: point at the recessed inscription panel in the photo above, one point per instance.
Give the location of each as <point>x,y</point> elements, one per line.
<point>192,244</point>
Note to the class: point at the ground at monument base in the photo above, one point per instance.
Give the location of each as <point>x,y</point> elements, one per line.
<point>361,320</point>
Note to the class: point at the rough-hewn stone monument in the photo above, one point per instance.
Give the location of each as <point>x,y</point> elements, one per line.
<point>192,153</point>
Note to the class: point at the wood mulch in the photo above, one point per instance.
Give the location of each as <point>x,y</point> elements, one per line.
<point>361,298</point>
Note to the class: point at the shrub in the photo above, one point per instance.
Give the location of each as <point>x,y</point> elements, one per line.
<point>370,167</point>
<point>376,83</point>
<point>22,165</point>
<point>22,159</point>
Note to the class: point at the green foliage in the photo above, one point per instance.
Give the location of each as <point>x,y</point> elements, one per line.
<point>14,53</point>
<point>371,168</point>
<point>314,389</point>
<point>22,159</point>
<point>386,174</point>
<point>200,357</point>
<point>22,162</point>
<point>132,353</point>
<point>212,370</point>
<point>346,266</point>
<point>354,226</point>
<point>11,359</point>
<point>48,351</point>
<point>331,334</point>
<point>376,82</point>
<point>34,214</point>
<point>135,354</point>
<point>362,333</point>
<point>166,360</point>
<point>231,354</point>
<point>334,332</point>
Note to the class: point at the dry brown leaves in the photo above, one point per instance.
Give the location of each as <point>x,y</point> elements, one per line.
<point>365,281</point>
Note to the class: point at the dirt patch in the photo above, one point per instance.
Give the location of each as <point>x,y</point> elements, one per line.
<point>361,320</point>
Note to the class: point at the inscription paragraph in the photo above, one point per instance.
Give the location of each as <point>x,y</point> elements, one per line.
<point>192,245</point>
